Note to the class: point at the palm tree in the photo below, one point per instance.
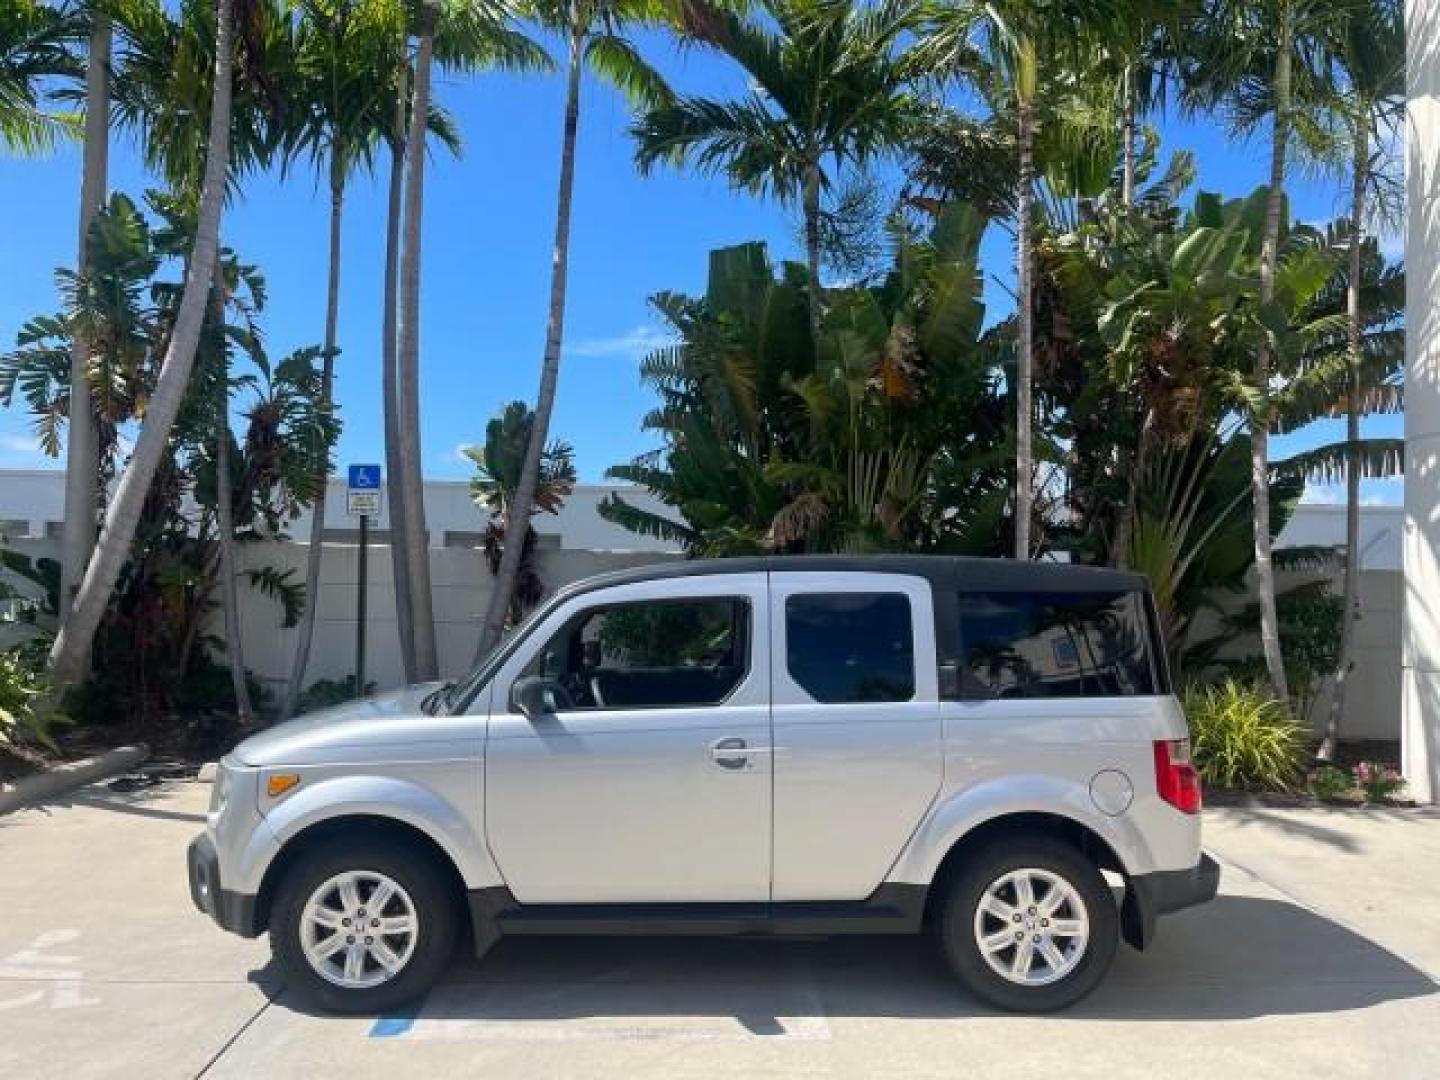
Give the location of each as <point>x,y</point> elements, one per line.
<point>407,359</point>
<point>1256,59</point>
<point>470,36</point>
<point>164,91</point>
<point>344,61</point>
<point>1370,50</point>
<point>72,643</point>
<point>998,45</point>
<point>594,32</point>
<point>35,47</point>
<point>82,455</point>
<point>831,90</point>
<point>498,465</point>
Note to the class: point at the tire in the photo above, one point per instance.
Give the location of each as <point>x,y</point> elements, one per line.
<point>1041,987</point>
<point>419,887</point>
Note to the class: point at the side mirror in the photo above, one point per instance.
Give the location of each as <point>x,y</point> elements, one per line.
<point>535,697</point>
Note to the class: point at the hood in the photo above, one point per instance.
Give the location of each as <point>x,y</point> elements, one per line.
<point>391,718</point>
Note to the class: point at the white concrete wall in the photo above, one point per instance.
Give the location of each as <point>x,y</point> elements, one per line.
<point>461,585</point>
<point>32,503</point>
<point>1420,756</point>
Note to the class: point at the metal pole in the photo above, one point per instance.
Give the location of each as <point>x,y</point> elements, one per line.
<point>360,584</point>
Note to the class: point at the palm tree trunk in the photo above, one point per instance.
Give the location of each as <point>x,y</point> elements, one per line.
<point>399,538</point>
<point>315,552</point>
<point>82,451</point>
<point>72,643</point>
<point>1024,407</point>
<point>225,519</point>
<point>417,552</point>
<point>812,251</point>
<point>1351,595</point>
<point>1260,425</point>
<point>1125,531</point>
<point>518,521</point>
<point>1127,137</point>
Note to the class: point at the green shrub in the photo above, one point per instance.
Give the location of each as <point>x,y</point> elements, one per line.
<point>1329,782</point>
<point>23,715</point>
<point>1241,737</point>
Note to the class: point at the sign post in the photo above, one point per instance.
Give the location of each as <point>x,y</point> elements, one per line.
<point>362,499</point>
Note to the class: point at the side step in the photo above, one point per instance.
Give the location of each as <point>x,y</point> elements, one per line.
<point>891,909</point>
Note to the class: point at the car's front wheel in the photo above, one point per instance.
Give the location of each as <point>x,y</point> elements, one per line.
<point>1029,924</point>
<point>362,927</point>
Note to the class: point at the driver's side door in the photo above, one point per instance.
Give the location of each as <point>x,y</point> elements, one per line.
<point>651,779</point>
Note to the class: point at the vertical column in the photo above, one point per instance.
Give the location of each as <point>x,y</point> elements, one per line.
<point>1420,722</point>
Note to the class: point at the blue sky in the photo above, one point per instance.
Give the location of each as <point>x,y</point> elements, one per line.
<point>488,234</point>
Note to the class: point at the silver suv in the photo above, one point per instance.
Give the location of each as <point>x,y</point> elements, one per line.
<point>803,745</point>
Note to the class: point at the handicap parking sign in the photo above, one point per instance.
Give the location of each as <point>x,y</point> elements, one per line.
<point>364,478</point>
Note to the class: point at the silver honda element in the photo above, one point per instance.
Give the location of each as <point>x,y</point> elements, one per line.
<point>799,745</point>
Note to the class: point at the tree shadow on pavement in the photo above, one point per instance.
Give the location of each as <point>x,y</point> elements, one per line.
<point>1236,958</point>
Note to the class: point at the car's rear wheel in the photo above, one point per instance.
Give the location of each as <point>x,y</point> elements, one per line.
<point>1029,924</point>
<point>362,927</point>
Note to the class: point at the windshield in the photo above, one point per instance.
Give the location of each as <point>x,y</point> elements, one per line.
<point>456,696</point>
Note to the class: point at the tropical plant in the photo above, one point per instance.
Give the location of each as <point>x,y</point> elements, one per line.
<point>893,439</point>
<point>498,464</point>
<point>1310,626</point>
<point>596,36</point>
<point>1151,319</point>
<point>24,714</point>
<point>1242,738</point>
<point>1356,134</point>
<point>36,47</point>
<point>82,453</point>
<point>831,90</point>
<point>1026,59</point>
<point>1256,60</point>
<point>150,644</point>
<point>72,643</point>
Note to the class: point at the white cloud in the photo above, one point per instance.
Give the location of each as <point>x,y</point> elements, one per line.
<point>22,451</point>
<point>1388,491</point>
<point>631,345</point>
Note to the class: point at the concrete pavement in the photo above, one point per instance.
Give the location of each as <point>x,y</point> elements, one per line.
<point>1319,959</point>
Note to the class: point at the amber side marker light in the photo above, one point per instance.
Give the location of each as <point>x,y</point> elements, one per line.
<point>280,783</point>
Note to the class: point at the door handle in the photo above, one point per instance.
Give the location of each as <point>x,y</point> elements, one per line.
<point>732,753</point>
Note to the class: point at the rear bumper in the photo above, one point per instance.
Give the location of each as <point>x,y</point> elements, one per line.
<point>1148,896</point>
<point>233,911</point>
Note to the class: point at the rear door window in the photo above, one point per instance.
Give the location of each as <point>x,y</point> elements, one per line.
<point>1048,645</point>
<point>848,647</point>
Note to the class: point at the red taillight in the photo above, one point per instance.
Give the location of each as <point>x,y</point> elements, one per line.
<point>1176,780</point>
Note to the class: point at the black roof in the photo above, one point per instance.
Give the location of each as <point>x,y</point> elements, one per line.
<point>944,572</point>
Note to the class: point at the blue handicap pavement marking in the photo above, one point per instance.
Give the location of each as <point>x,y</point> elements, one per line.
<point>394,1025</point>
<point>364,477</point>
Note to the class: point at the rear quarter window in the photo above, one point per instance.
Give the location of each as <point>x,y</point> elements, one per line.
<point>1055,645</point>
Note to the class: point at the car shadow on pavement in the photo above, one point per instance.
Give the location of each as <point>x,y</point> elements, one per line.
<point>1236,958</point>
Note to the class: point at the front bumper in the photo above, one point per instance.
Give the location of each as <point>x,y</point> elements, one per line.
<point>233,911</point>
<point>1148,896</point>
